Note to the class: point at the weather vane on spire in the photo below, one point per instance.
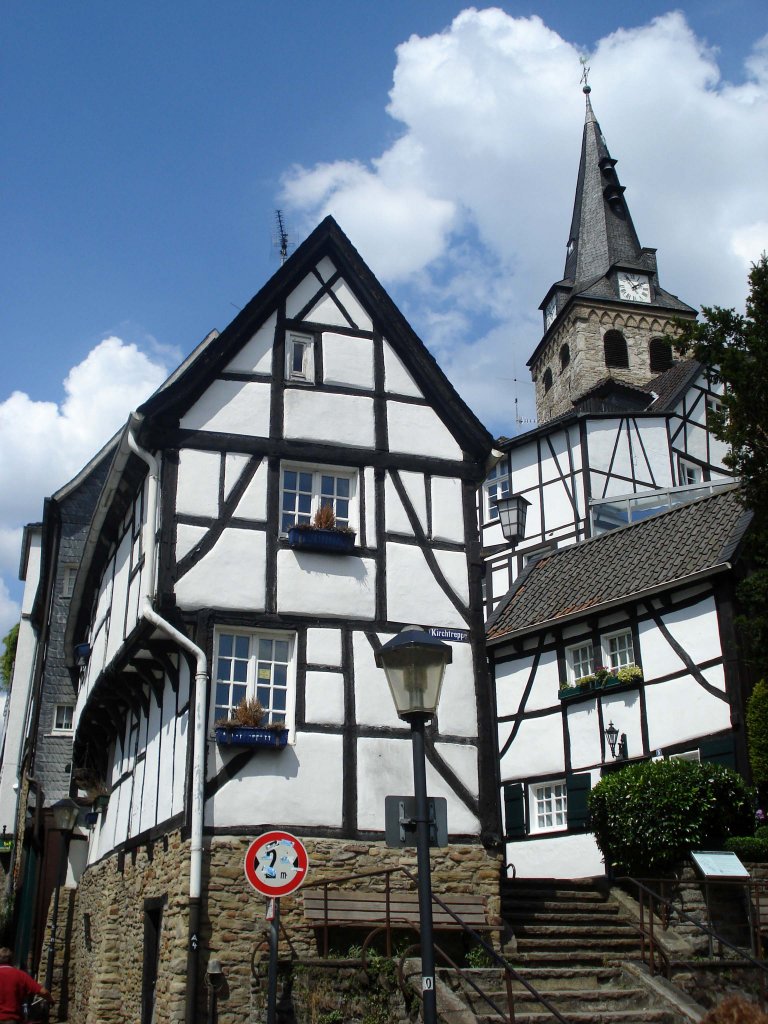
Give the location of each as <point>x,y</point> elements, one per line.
<point>586,87</point>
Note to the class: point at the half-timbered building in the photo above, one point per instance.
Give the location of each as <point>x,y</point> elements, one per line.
<point>624,569</point>
<point>36,756</point>
<point>628,640</point>
<point>196,591</point>
<point>618,417</point>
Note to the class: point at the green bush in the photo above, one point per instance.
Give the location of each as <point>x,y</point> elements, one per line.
<point>648,816</point>
<point>757,733</point>
<point>748,847</point>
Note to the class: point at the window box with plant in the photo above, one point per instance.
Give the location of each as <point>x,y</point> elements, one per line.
<point>322,534</point>
<point>247,727</point>
<point>580,688</point>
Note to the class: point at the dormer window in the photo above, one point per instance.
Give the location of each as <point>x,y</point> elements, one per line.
<point>300,358</point>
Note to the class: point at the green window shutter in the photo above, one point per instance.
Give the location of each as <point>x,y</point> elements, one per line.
<point>578,787</point>
<point>719,751</point>
<point>514,810</point>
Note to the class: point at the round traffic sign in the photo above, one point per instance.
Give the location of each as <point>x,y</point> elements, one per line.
<point>276,863</point>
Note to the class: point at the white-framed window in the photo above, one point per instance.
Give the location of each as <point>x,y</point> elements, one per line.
<point>305,489</point>
<point>618,649</point>
<point>68,575</point>
<point>714,404</point>
<point>63,718</point>
<point>689,473</point>
<point>581,660</point>
<point>300,358</point>
<point>497,485</point>
<point>548,806</point>
<point>251,664</point>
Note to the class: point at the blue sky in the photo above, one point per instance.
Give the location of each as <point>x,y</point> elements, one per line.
<point>146,147</point>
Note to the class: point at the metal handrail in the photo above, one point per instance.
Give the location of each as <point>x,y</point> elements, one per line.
<point>667,904</point>
<point>509,971</point>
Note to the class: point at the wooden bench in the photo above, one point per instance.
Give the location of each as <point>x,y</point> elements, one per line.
<point>339,908</point>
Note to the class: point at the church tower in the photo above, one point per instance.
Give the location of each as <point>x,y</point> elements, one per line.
<point>605,321</point>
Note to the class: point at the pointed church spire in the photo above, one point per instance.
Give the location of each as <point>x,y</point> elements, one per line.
<point>602,233</point>
<point>591,326</point>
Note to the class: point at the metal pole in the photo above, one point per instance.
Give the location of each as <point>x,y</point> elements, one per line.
<point>429,999</point>
<point>274,933</point>
<point>61,879</point>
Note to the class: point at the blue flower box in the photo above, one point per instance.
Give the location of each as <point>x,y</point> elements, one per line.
<point>314,539</point>
<point>247,736</point>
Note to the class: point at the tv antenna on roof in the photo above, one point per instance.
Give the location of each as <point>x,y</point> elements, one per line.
<point>281,241</point>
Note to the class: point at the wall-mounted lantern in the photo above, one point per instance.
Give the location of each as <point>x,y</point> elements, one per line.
<point>512,513</point>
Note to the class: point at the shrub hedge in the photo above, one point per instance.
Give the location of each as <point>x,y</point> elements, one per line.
<point>748,848</point>
<point>650,815</point>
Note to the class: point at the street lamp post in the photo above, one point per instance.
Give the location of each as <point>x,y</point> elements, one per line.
<point>65,814</point>
<point>414,663</point>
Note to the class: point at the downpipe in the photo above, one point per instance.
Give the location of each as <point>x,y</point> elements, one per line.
<point>201,686</point>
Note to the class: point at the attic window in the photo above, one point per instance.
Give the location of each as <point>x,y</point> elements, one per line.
<point>300,358</point>
<point>547,380</point>
<point>660,352</point>
<point>565,356</point>
<point>68,574</point>
<point>615,348</point>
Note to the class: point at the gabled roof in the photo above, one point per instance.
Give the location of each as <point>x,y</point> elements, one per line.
<point>694,540</point>
<point>188,382</point>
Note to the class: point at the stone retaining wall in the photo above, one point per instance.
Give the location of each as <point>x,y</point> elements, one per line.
<point>107,938</point>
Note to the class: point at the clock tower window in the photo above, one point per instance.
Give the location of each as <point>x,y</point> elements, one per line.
<point>565,357</point>
<point>615,349</point>
<point>547,380</point>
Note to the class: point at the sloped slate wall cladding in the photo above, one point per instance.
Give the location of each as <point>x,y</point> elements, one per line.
<point>107,946</point>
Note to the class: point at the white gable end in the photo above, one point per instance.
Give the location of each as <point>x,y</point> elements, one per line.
<point>256,355</point>
<point>418,430</point>
<point>231,407</point>
<point>348,361</point>
<point>397,380</point>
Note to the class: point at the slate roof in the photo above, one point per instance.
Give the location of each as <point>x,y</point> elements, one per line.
<point>602,232</point>
<point>699,538</point>
<point>670,384</point>
<point>602,236</point>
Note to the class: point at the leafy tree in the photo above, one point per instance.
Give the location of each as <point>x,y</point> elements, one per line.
<point>734,349</point>
<point>757,737</point>
<point>8,656</point>
<point>650,815</point>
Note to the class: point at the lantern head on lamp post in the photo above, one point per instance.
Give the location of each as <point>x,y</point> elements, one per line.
<point>512,513</point>
<point>414,663</point>
<point>65,814</point>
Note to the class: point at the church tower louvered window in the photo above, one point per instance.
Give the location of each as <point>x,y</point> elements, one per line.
<point>615,348</point>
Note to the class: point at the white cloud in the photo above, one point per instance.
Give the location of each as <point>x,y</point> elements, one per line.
<point>43,445</point>
<point>465,216</point>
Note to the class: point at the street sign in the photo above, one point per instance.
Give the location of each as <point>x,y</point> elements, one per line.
<point>276,864</point>
<point>399,824</point>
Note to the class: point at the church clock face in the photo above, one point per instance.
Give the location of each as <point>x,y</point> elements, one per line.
<point>550,312</point>
<point>634,287</point>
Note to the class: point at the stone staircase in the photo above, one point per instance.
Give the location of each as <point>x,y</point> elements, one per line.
<point>570,942</point>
